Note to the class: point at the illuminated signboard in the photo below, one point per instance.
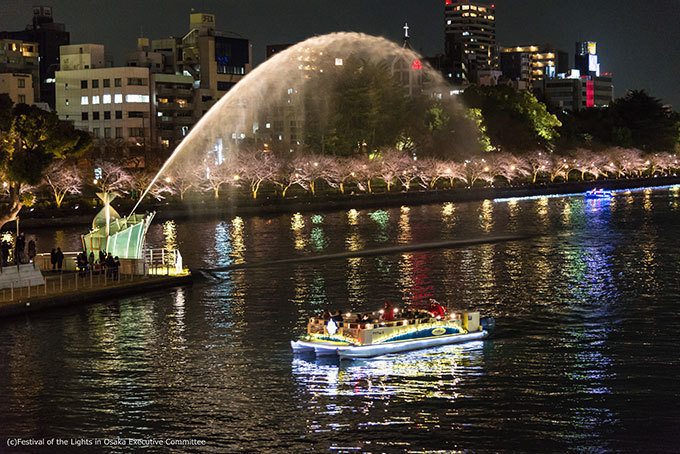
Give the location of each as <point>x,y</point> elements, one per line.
<point>592,63</point>
<point>590,93</point>
<point>592,48</point>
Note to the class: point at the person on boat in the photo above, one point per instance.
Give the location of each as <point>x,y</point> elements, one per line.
<point>326,315</point>
<point>388,312</point>
<point>337,318</point>
<point>436,309</point>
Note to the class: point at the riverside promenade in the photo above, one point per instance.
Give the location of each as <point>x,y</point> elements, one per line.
<point>71,289</point>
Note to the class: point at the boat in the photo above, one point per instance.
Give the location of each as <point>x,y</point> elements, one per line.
<point>598,194</point>
<point>354,336</point>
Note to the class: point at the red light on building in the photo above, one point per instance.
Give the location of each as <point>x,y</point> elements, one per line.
<point>590,93</point>
<point>448,2</point>
<point>416,65</point>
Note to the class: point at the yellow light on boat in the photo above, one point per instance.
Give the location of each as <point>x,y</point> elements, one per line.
<point>396,310</point>
<point>405,322</point>
<point>381,311</point>
<point>349,314</point>
<point>369,326</point>
<point>439,317</point>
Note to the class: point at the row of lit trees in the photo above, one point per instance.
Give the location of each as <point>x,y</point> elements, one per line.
<point>251,171</point>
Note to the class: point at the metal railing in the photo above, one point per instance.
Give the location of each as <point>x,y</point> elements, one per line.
<point>163,261</point>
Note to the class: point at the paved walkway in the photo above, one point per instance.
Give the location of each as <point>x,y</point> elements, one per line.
<point>68,288</point>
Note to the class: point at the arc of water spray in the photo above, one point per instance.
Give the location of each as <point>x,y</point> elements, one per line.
<point>336,42</point>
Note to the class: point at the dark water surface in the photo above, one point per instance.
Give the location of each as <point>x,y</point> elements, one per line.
<point>585,357</point>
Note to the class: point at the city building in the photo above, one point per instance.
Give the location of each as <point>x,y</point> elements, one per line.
<point>572,91</point>
<point>585,59</point>
<point>49,37</point>
<point>531,64</point>
<point>470,43</point>
<point>110,102</point>
<point>581,87</point>
<point>189,74</point>
<point>18,86</point>
<point>19,59</point>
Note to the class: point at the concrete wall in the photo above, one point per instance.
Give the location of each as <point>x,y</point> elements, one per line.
<point>20,276</point>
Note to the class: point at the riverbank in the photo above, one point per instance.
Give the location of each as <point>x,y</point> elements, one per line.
<point>64,290</point>
<point>228,207</point>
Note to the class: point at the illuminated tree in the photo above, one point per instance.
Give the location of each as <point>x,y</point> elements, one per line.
<point>366,170</point>
<point>340,171</point>
<point>62,178</point>
<point>112,178</point>
<point>289,175</point>
<point>538,162</point>
<point>217,175</point>
<point>475,169</point>
<point>587,162</point>
<point>30,139</point>
<point>255,168</point>
<point>391,164</point>
<point>557,167</point>
<point>500,165</point>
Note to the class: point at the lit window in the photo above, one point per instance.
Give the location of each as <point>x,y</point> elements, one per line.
<point>106,99</point>
<point>84,100</point>
<point>117,98</point>
<point>135,98</point>
<point>95,99</point>
<point>66,102</point>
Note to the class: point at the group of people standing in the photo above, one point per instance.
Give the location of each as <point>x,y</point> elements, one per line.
<point>22,254</point>
<point>106,262</point>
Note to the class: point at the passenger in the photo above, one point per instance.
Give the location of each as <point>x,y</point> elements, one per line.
<point>388,312</point>
<point>326,315</point>
<point>436,309</point>
<point>337,318</point>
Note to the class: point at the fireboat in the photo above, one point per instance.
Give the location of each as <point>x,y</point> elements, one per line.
<point>390,330</point>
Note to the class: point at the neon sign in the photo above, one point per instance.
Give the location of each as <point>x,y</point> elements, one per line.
<point>416,65</point>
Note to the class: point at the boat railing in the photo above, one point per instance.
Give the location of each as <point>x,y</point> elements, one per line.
<point>318,324</point>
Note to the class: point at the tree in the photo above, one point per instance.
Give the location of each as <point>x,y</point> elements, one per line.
<point>653,127</point>
<point>254,168</point>
<point>62,178</point>
<point>112,178</point>
<point>30,139</point>
<point>514,120</point>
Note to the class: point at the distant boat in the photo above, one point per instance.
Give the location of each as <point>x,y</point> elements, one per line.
<point>375,336</point>
<point>598,194</point>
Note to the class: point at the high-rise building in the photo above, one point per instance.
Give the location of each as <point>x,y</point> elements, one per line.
<point>195,71</point>
<point>585,59</point>
<point>470,39</point>
<point>533,63</point>
<point>49,36</point>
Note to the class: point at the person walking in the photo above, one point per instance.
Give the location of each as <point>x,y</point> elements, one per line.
<point>90,260</point>
<point>53,259</point>
<point>60,258</point>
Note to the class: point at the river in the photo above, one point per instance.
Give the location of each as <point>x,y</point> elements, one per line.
<point>585,355</point>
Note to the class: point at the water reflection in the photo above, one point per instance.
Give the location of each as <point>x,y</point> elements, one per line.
<point>404,226</point>
<point>414,376</point>
<point>486,216</point>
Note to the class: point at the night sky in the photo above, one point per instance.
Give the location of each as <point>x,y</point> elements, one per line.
<point>637,40</point>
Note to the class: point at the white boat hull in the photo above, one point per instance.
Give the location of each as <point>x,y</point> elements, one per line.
<point>369,351</point>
